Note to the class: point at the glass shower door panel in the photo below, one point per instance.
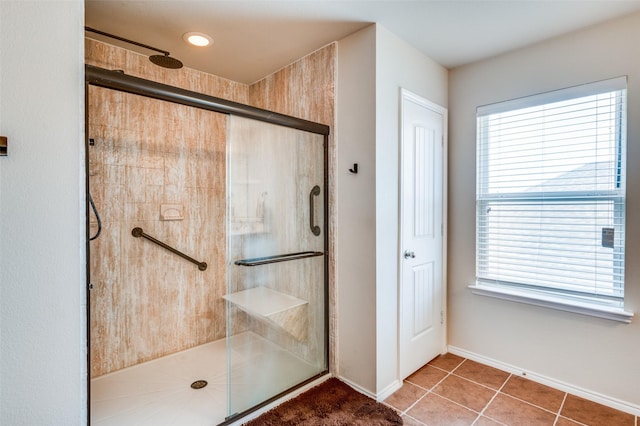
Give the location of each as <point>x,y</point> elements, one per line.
<point>275,261</point>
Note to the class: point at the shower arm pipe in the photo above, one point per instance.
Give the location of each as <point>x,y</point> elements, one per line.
<point>138,232</point>
<point>120,81</point>
<point>126,40</point>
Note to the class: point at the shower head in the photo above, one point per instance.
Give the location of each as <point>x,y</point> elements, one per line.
<point>163,60</point>
<point>166,61</point>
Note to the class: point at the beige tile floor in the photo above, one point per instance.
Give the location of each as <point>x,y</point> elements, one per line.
<point>452,391</point>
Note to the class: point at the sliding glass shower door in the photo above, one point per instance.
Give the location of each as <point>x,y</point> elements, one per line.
<point>276,263</point>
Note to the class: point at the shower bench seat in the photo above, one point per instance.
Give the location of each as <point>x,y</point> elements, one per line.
<point>282,310</point>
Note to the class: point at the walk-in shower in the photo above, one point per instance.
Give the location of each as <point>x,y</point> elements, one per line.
<point>208,280</point>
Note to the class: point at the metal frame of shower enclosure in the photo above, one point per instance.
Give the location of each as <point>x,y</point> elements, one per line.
<point>118,80</point>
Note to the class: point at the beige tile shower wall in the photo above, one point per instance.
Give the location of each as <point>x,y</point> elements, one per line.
<point>147,302</point>
<point>179,317</point>
<point>307,89</point>
<point>107,56</point>
<point>272,170</point>
<point>304,89</point>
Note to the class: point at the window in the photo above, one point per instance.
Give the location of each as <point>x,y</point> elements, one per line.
<point>550,198</point>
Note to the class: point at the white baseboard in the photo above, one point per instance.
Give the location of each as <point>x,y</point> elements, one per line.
<point>357,387</point>
<point>380,396</point>
<point>548,381</point>
<point>386,392</point>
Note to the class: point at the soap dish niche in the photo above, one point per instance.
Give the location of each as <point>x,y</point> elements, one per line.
<point>171,212</point>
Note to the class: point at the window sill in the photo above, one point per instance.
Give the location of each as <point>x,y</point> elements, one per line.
<point>549,301</point>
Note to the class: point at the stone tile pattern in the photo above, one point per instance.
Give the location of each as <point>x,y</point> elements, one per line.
<point>147,302</point>
<point>451,390</point>
<point>306,89</point>
<point>256,150</point>
<point>142,159</point>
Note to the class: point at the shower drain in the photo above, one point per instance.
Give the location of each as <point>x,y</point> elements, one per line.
<point>198,384</point>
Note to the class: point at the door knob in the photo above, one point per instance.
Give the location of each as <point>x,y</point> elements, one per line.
<point>409,254</point>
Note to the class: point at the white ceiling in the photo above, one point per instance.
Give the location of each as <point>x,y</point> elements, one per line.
<point>253,38</point>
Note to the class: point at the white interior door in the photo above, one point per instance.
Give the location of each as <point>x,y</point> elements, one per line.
<point>422,330</point>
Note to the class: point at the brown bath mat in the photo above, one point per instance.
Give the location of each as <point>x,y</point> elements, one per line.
<point>332,403</point>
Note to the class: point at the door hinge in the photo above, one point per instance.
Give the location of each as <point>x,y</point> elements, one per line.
<point>441,317</point>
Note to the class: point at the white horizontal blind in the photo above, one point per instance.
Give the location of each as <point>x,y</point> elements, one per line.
<point>551,192</point>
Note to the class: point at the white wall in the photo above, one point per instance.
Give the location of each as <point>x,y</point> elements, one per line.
<point>42,316</point>
<point>356,214</point>
<point>595,355</point>
<point>373,64</point>
<point>398,65</point>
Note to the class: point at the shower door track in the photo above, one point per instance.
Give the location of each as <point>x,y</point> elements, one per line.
<point>126,83</point>
<point>118,80</point>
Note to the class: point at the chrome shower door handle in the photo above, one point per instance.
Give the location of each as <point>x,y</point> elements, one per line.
<point>315,191</point>
<point>409,254</point>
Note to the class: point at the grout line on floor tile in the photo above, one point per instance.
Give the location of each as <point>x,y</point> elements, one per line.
<point>497,392</point>
<point>414,419</point>
<point>572,420</point>
<point>494,397</point>
<point>492,419</point>
<point>480,384</point>
<point>427,393</point>
<point>458,366</point>
<point>391,406</point>
<point>421,387</point>
<point>432,387</point>
<point>457,403</point>
<point>560,409</point>
<point>441,369</point>
<point>531,404</point>
<point>452,373</point>
<point>416,401</point>
<point>403,412</point>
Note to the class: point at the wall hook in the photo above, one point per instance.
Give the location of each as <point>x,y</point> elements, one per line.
<point>355,169</point>
<point>3,146</point>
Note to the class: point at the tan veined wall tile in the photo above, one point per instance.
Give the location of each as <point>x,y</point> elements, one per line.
<point>108,56</point>
<point>174,193</point>
<point>113,174</point>
<point>304,89</point>
<point>150,302</point>
<point>145,169</point>
<point>135,185</point>
<point>111,203</point>
<point>174,170</point>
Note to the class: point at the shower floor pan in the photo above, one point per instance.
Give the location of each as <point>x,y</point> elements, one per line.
<point>159,392</point>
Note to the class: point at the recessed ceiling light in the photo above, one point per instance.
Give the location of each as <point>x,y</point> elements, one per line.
<point>197,39</point>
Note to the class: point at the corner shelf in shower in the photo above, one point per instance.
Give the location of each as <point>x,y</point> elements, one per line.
<point>283,310</point>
